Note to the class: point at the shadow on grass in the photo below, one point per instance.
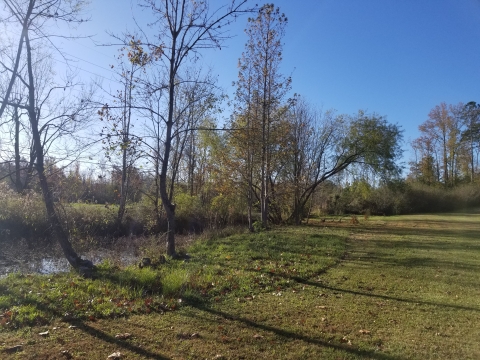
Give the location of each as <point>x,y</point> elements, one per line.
<point>112,340</point>
<point>99,334</point>
<point>369,294</point>
<point>369,354</point>
<point>449,237</point>
<point>418,262</point>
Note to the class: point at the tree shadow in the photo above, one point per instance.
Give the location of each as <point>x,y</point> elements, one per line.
<point>370,294</point>
<point>369,354</point>
<point>99,334</point>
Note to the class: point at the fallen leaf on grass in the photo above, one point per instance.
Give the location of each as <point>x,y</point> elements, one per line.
<point>321,307</point>
<point>364,331</point>
<point>257,336</point>
<point>45,333</point>
<point>115,355</point>
<point>345,340</point>
<point>123,336</point>
<point>72,327</point>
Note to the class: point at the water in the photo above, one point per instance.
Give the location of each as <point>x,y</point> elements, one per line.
<point>20,258</point>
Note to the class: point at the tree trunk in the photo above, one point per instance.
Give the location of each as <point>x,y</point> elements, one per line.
<point>18,180</point>
<point>84,267</point>
<point>167,204</point>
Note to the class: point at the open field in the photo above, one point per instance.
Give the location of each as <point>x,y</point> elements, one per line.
<point>401,287</point>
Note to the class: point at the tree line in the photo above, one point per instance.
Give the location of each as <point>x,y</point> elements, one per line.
<point>447,151</point>
<point>275,159</point>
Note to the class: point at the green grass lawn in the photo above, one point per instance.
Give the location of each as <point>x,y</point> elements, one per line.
<point>401,287</point>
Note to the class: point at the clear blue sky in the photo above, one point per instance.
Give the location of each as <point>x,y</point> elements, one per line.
<point>397,58</point>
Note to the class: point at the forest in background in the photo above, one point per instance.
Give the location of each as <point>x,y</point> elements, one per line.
<point>167,164</point>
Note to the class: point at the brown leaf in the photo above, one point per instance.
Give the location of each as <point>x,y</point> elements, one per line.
<point>321,307</point>
<point>257,336</point>
<point>364,331</point>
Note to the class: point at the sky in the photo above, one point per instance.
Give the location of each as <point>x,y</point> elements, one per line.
<point>397,58</point>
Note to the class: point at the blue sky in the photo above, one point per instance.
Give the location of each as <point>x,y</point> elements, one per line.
<point>398,58</point>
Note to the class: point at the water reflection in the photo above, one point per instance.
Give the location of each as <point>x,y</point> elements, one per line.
<point>33,261</point>
<point>44,258</point>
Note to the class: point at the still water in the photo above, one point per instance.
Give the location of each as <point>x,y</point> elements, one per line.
<point>19,257</point>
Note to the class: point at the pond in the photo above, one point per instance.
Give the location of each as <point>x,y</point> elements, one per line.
<point>19,256</point>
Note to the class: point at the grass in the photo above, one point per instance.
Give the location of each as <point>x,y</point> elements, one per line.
<point>388,288</point>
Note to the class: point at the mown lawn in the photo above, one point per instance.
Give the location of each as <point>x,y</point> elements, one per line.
<point>387,288</point>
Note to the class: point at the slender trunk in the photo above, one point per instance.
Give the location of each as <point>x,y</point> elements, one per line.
<point>265,139</point>
<point>126,117</point>
<point>250,192</point>
<point>445,161</point>
<point>249,168</point>
<point>123,188</point>
<point>157,192</point>
<point>167,204</point>
<point>191,164</point>
<point>18,180</point>
<point>84,267</point>
<point>472,176</point>
<point>26,20</point>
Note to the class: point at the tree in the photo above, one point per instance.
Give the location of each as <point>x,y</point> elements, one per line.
<point>425,168</point>
<point>341,142</point>
<point>21,172</point>
<point>184,28</point>
<point>471,135</point>
<point>119,118</point>
<point>260,91</point>
<point>32,18</point>
<point>442,128</point>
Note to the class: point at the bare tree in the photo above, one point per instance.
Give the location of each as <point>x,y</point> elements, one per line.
<point>117,133</point>
<point>49,120</point>
<point>184,28</point>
